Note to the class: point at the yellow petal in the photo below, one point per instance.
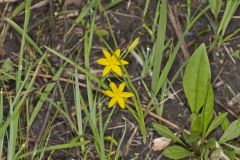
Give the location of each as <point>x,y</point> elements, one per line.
<point>106,70</point>
<point>113,87</point>
<point>117,53</point>
<point>124,62</point>
<point>126,94</point>
<point>121,102</point>
<point>117,70</point>
<point>109,93</point>
<point>106,53</point>
<point>121,87</point>
<point>115,60</point>
<point>112,102</point>
<point>102,61</point>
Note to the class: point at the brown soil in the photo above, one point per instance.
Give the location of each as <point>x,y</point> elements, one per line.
<point>127,25</point>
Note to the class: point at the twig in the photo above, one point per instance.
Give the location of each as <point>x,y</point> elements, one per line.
<point>129,142</point>
<point>177,28</point>
<point>169,123</point>
<point>227,109</point>
<point>7,1</point>
<point>229,54</point>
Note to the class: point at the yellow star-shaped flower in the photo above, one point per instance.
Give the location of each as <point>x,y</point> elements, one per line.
<point>117,95</point>
<point>111,62</point>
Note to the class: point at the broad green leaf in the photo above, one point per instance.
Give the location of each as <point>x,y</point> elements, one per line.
<point>177,152</point>
<point>215,6</point>
<point>196,78</point>
<point>216,122</point>
<point>164,131</point>
<point>233,131</point>
<point>208,108</point>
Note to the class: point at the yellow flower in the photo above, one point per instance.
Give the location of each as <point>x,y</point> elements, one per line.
<point>117,95</point>
<point>111,62</point>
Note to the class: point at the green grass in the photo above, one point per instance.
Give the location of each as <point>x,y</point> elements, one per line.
<point>85,114</point>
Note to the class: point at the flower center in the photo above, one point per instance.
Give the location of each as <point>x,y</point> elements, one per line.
<point>117,94</point>
<point>112,61</point>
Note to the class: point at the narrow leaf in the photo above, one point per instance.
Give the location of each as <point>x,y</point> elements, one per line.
<point>177,152</point>
<point>208,109</point>
<point>159,44</point>
<point>225,124</point>
<point>230,9</point>
<point>196,123</point>
<point>215,6</point>
<point>216,122</point>
<point>164,131</point>
<point>235,148</point>
<point>233,131</point>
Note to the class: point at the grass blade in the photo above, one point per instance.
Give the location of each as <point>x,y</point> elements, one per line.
<point>78,106</point>
<point>1,123</point>
<point>22,100</point>
<point>87,50</point>
<point>228,13</point>
<point>159,45</point>
<point>14,123</point>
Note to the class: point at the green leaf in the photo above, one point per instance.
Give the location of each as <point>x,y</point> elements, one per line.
<point>164,131</point>
<point>225,124</point>
<point>111,139</point>
<point>101,32</point>
<point>236,53</point>
<point>208,109</point>
<point>177,152</point>
<point>230,9</point>
<point>215,6</point>
<point>196,78</point>
<point>8,65</point>
<point>230,154</point>
<point>193,137</point>
<point>196,126</point>
<point>205,154</point>
<point>235,148</point>
<point>233,131</point>
<point>216,122</point>
<point>211,143</point>
<point>159,45</point>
